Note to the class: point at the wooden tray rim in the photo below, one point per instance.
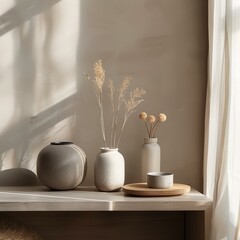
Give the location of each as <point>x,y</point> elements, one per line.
<point>141,189</point>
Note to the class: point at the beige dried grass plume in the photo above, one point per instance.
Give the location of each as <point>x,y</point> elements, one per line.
<point>118,102</point>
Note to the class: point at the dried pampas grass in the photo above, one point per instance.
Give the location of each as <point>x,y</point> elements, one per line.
<point>118,99</point>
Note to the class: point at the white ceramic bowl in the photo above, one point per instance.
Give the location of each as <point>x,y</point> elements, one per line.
<point>159,180</point>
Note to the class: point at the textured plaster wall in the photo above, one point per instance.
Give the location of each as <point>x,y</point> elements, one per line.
<point>45,46</point>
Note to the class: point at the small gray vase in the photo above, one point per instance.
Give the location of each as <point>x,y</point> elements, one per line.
<point>61,166</point>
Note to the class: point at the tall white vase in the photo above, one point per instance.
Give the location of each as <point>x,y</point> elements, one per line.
<point>109,170</point>
<point>150,157</point>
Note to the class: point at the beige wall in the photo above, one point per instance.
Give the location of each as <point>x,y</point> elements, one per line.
<point>45,47</point>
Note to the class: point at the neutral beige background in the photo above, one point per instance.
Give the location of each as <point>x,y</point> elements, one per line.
<point>45,47</point>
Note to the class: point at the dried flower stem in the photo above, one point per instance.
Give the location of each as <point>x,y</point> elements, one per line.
<point>151,128</point>
<point>100,105</point>
<point>134,100</point>
<point>126,116</point>
<point>121,94</point>
<point>112,91</point>
<point>147,128</point>
<point>98,89</point>
<point>102,125</point>
<point>155,127</point>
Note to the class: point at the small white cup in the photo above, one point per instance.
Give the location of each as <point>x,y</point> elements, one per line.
<point>159,180</point>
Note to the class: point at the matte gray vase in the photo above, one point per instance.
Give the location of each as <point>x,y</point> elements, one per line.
<point>61,166</point>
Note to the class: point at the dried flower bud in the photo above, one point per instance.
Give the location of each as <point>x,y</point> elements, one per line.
<point>151,119</point>
<point>162,117</point>
<point>143,116</point>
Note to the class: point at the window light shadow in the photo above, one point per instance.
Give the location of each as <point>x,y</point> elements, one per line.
<point>22,12</point>
<point>29,123</point>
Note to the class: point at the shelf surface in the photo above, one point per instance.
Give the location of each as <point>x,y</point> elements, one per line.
<point>39,198</point>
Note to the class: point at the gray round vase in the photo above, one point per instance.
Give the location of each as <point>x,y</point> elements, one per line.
<point>61,166</point>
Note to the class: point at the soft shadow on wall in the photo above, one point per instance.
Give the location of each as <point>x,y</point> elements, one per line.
<point>38,86</point>
<point>163,44</point>
<point>104,34</point>
<point>47,45</point>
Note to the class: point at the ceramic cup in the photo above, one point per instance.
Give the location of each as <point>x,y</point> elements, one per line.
<point>159,180</point>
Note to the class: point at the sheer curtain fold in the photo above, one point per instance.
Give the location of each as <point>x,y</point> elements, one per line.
<point>222,134</point>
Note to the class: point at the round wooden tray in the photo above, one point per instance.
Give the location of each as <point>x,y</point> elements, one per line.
<point>141,189</point>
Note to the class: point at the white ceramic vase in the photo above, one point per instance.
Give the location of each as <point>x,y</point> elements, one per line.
<point>150,157</point>
<point>109,170</point>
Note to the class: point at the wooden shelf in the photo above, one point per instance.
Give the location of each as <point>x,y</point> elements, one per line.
<point>89,199</point>
<point>68,214</point>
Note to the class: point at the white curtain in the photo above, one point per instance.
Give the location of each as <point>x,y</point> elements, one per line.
<point>222,134</point>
